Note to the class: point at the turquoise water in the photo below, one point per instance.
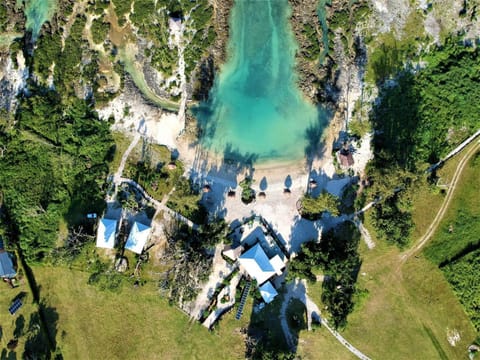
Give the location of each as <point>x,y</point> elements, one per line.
<point>322,17</point>
<point>37,13</point>
<point>255,108</point>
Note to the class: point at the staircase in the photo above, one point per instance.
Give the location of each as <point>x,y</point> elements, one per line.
<point>243,299</point>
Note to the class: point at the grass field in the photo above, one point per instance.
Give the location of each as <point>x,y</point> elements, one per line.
<point>24,325</point>
<point>122,142</point>
<point>408,312</point>
<point>139,324</point>
<point>411,309</point>
<point>133,324</point>
<point>460,226</point>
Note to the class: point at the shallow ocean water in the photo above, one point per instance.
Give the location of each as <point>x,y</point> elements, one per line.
<point>255,107</point>
<point>37,12</point>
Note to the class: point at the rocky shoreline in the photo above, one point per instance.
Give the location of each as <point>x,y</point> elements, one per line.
<point>204,76</point>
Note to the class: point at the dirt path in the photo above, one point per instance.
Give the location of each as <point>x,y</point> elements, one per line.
<point>446,202</point>
<point>159,206</point>
<point>119,172</point>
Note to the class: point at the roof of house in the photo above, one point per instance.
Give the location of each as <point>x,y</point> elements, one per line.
<point>138,237</point>
<point>106,232</point>
<point>346,157</point>
<point>232,253</point>
<point>257,264</point>
<point>6,265</point>
<point>277,264</point>
<point>268,292</point>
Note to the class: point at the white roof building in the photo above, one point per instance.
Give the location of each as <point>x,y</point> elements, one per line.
<point>268,292</point>
<point>106,232</point>
<point>258,266</point>
<point>137,238</point>
<point>277,264</point>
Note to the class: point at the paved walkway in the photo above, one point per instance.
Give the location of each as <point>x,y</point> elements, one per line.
<point>455,151</point>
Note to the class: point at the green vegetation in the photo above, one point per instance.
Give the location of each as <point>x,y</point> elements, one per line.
<point>267,340</point>
<point>311,47</point>
<point>344,20</point>
<point>68,68</point>
<point>464,276</point>
<point>417,122</point>
<point>186,201</point>
<point>359,128</point>
<point>140,310</point>
<point>155,28</point>
<point>248,194</point>
<point>150,165</point>
<point>23,334</point>
<point>336,255</point>
<point>389,54</point>
<point>99,30</point>
<point>458,232</point>
<point>392,215</point>
<point>3,17</point>
<point>455,245</point>
<point>405,296</point>
<point>314,208</point>
<point>189,256</point>
<point>53,168</point>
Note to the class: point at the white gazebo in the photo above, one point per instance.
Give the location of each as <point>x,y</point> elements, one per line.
<point>138,237</point>
<point>106,233</point>
<point>256,263</point>
<point>268,292</point>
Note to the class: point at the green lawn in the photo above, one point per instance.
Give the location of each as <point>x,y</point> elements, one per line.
<point>408,312</point>
<point>460,227</point>
<point>132,324</point>
<point>411,308</point>
<point>122,141</point>
<point>24,325</point>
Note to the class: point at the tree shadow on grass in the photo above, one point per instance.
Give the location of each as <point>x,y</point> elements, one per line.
<point>41,331</point>
<point>395,119</point>
<point>41,334</point>
<point>265,335</point>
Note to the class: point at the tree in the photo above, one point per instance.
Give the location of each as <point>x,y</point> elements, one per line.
<point>314,208</point>
<point>336,255</point>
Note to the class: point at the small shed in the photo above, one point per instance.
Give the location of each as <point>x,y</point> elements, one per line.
<point>138,237</point>
<point>268,292</point>
<point>106,233</point>
<point>6,265</point>
<point>345,156</point>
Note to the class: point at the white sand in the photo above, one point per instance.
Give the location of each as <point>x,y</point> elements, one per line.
<point>161,128</point>
<point>363,154</point>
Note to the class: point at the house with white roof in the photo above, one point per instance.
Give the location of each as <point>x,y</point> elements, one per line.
<point>106,233</point>
<point>138,237</point>
<point>268,292</point>
<point>256,263</point>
